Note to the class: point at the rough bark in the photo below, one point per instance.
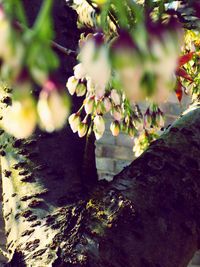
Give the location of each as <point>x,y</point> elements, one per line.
<point>148,216</point>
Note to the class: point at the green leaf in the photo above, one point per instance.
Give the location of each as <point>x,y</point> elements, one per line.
<point>15,9</point>
<point>20,12</point>
<point>104,16</point>
<point>43,25</point>
<point>120,9</point>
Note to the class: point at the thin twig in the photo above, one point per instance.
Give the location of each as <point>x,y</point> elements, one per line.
<point>54,44</point>
<point>63,49</point>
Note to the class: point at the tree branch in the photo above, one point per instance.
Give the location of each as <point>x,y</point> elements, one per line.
<point>63,49</point>
<point>54,44</point>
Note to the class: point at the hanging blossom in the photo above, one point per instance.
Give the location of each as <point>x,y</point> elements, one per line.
<point>90,79</point>
<point>115,97</point>
<point>74,121</point>
<point>71,84</point>
<point>142,69</point>
<point>115,128</point>
<point>153,118</point>
<point>19,118</point>
<point>95,62</point>
<point>148,72</point>
<point>134,71</point>
<point>99,126</point>
<point>52,107</point>
<point>89,104</point>
<point>95,107</point>
<point>82,128</point>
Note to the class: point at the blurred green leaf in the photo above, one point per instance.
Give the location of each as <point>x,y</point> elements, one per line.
<point>104,16</point>
<point>43,27</point>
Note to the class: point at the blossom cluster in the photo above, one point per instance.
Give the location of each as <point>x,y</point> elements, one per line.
<point>113,77</point>
<point>96,105</point>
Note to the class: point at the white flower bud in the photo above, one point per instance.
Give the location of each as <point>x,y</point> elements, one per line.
<point>74,121</point>
<point>99,126</point>
<point>148,119</point>
<point>99,107</point>
<point>82,129</point>
<point>115,97</point>
<point>115,128</point>
<point>79,71</point>
<point>80,89</point>
<point>117,113</point>
<point>107,104</point>
<point>72,84</point>
<point>160,119</point>
<point>89,105</point>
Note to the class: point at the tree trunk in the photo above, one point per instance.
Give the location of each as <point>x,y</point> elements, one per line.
<point>148,216</point>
